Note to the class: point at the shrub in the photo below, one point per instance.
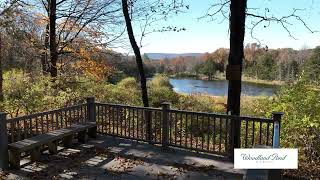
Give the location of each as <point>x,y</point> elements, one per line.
<point>300,127</point>
<point>160,90</point>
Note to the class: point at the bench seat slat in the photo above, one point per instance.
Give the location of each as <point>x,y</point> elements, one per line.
<point>30,143</point>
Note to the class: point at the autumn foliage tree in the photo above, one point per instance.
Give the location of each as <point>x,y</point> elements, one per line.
<point>67,20</point>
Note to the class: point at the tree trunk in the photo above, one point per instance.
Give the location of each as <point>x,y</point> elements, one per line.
<point>52,34</point>
<point>44,58</point>
<point>236,55</point>
<point>1,72</point>
<point>136,53</point>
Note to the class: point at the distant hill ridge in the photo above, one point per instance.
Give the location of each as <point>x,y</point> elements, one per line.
<point>158,56</point>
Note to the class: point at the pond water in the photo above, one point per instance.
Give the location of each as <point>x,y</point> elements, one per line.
<point>219,87</point>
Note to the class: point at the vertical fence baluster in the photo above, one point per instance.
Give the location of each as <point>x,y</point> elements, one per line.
<point>253,129</point>
<point>129,123</point>
<point>191,130</point>
<point>197,130</point>
<point>113,121</point>
<point>181,120</point>
<point>37,125</point>
<point>18,131</point>
<point>133,124</point>
<point>186,132</point>
<point>160,126</point>
<point>226,135</point>
<point>202,135</point>
<point>170,128</point>
<point>47,121</point>
<point>208,132</point>
<point>109,119</point>
<point>161,130</point>
<point>25,129</point>
<point>31,127</point>
<point>220,132</point>
<point>104,114</point>
<point>79,119</point>
<point>260,133</point>
<point>214,133</point>
<point>117,119</point>
<point>64,116</point>
<point>144,125</point>
<point>246,136</point>
<point>155,128</point>
<point>125,122</point>
<point>70,117</point>
<point>12,132</point>
<point>137,123</point>
<point>141,124</point>
<point>175,127</point>
<point>81,114</point>
<point>42,124</point>
<point>267,140</point>
<point>98,118</point>
<point>52,117</point>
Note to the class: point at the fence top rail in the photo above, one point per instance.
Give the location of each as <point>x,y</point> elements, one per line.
<point>128,106</point>
<point>30,116</point>
<point>217,115</point>
<point>226,116</point>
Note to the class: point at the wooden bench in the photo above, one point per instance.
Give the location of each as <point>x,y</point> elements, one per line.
<point>51,139</point>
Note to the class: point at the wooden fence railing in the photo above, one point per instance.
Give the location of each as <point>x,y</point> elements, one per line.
<point>23,127</point>
<point>207,132</point>
<point>199,131</point>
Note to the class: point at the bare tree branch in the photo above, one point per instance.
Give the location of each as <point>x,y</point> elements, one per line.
<point>284,21</point>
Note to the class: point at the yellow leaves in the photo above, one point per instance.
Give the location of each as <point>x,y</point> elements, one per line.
<point>40,19</point>
<point>95,69</point>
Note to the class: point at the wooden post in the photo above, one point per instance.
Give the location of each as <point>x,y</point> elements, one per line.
<point>4,155</point>
<point>147,115</point>
<point>165,124</point>
<point>276,128</point>
<point>233,138</point>
<point>276,173</point>
<point>91,109</point>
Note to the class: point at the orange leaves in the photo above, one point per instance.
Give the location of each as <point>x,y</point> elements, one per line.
<point>90,67</point>
<point>41,19</point>
<point>219,56</point>
<point>95,69</point>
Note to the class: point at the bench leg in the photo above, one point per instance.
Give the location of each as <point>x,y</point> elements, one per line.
<point>82,137</point>
<point>67,141</point>
<point>53,147</point>
<point>14,159</point>
<point>92,132</point>
<point>35,154</point>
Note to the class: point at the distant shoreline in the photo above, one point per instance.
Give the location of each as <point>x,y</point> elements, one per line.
<point>221,97</point>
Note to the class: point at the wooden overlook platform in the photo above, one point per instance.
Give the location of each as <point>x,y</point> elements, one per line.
<point>137,142</point>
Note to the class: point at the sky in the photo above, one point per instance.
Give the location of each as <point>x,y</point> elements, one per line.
<point>207,35</point>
